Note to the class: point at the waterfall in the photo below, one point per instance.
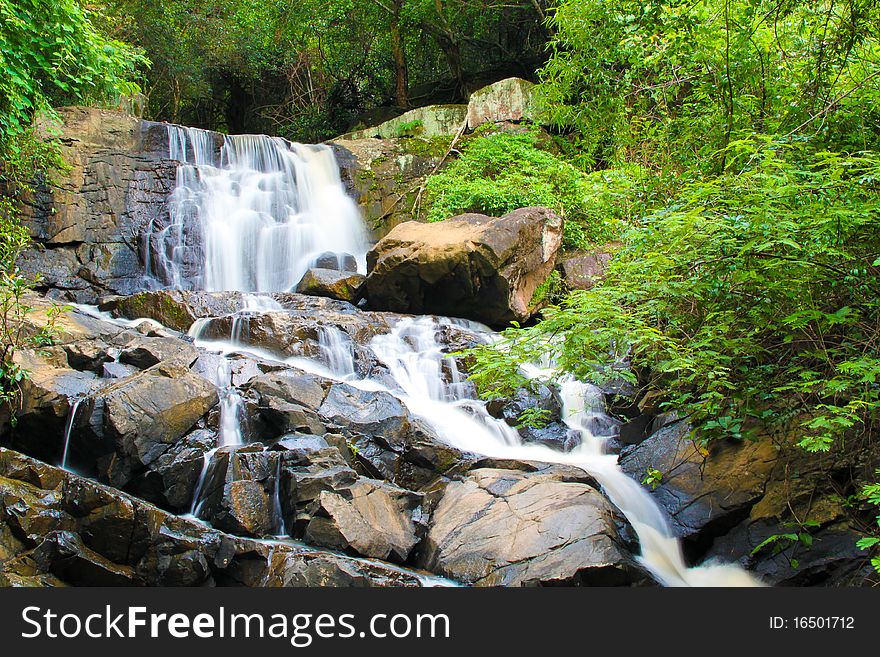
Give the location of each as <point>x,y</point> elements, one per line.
<point>338,350</point>
<point>255,215</point>
<point>412,354</point>
<point>252,219</point>
<point>68,429</point>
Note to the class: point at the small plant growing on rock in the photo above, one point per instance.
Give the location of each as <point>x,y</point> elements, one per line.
<point>653,478</point>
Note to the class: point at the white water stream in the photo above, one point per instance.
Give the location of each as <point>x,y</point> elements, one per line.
<point>252,217</point>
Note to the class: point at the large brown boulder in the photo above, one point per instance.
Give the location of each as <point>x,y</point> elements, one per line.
<point>473,266</point>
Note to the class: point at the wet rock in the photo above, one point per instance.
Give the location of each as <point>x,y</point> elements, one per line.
<point>343,262</point>
<point>415,458</point>
<point>370,413</point>
<point>551,431</point>
<point>370,517</point>
<point>473,266</point>
<point>239,490</point>
<point>64,555</point>
<point>287,402</point>
<point>48,398</point>
<point>174,309</point>
<point>509,528</point>
<point>145,414</point>
<point>704,492</point>
<point>106,537</point>
<point>114,370</point>
<point>88,355</point>
<point>171,480</point>
<point>341,285</point>
<point>301,389</point>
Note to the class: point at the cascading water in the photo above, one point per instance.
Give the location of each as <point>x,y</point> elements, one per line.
<point>337,350</point>
<point>252,218</point>
<point>68,429</point>
<point>412,354</point>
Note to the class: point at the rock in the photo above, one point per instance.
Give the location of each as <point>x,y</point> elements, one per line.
<point>341,285</point>
<point>146,414</point>
<point>174,309</point>
<point>48,397</point>
<point>64,555</point>
<point>470,266</point>
<point>373,413</point>
<point>145,352</point>
<point>802,495</point>
<point>171,480</point>
<point>553,432</point>
<point>512,99</point>
<point>336,261</point>
<point>370,517</point>
<point>509,528</point>
<point>88,225</point>
<point>286,403</point>
<point>582,272</point>
<point>98,535</point>
<point>705,493</point>
<point>302,389</point>
<point>429,121</point>
<point>384,175</point>
<point>239,491</point>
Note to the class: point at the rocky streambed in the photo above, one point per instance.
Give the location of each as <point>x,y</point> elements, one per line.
<point>185,437</point>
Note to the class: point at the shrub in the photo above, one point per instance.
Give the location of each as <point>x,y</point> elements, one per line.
<point>501,172</point>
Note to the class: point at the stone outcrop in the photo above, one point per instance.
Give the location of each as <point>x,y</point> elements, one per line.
<point>62,529</point>
<point>429,121</point>
<point>724,501</point>
<point>474,266</point>
<point>340,285</point>
<point>508,100</point>
<point>385,176</point>
<point>88,226</point>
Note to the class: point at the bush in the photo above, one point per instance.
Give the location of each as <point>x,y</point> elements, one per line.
<point>752,301</point>
<point>501,172</point>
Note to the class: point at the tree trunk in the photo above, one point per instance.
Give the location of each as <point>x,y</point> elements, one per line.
<point>398,51</point>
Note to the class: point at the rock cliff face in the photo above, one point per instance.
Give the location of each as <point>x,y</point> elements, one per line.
<point>88,226</point>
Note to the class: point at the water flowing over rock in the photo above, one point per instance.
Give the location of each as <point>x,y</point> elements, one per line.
<point>253,218</point>
<point>303,437</point>
<point>474,266</point>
